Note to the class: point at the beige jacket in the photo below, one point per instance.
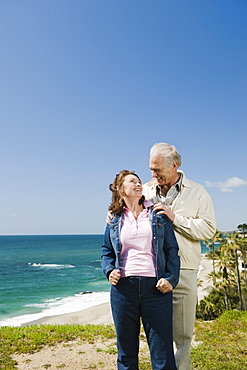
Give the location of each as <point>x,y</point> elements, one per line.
<point>194,219</point>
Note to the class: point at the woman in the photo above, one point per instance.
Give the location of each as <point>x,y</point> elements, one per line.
<point>140,259</point>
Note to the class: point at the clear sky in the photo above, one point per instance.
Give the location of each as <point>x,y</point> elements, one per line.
<point>88,86</point>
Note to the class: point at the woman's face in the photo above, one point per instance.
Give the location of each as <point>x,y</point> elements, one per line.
<point>132,187</point>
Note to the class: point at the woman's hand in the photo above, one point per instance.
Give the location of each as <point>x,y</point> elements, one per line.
<point>164,286</point>
<point>164,210</point>
<point>114,277</point>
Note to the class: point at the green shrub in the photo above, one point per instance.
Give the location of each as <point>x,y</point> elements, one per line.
<point>213,305</point>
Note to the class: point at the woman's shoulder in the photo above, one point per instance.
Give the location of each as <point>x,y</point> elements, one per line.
<point>161,218</point>
<point>114,220</point>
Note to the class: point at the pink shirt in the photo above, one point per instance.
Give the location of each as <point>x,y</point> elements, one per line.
<point>137,255</point>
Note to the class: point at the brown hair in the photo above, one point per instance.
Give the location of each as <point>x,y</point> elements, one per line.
<point>117,201</point>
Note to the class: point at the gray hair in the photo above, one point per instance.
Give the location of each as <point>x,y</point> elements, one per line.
<point>168,152</point>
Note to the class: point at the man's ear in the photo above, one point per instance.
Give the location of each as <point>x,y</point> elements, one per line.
<point>175,166</point>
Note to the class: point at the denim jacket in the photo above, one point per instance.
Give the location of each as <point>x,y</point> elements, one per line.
<point>164,243</point>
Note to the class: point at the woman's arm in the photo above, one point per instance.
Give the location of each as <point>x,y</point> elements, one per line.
<point>108,259</point>
<point>170,248</point>
<point>108,256</point>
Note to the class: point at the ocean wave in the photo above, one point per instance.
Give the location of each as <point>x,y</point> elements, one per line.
<point>59,306</point>
<point>50,265</point>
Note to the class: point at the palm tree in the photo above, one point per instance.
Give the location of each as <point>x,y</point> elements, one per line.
<point>232,247</point>
<point>210,243</point>
<point>243,228</point>
<point>243,249</point>
<point>226,275</point>
<point>225,281</point>
<point>225,264</point>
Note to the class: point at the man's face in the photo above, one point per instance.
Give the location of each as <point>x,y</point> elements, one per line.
<point>164,175</point>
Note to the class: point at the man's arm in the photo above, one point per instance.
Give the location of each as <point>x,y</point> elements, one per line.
<point>201,225</point>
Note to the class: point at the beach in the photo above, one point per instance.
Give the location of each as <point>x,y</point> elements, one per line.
<point>74,355</point>
<point>44,278</point>
<point>97,315</point>
<point>206,267</point>
<point>101,314</point>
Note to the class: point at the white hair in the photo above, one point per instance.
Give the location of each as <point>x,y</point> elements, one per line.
<point>168,152</point>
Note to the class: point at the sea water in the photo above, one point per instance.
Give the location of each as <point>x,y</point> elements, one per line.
<point>50,275</point>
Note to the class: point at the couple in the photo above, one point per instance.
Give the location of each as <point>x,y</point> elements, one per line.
<point>142,262</point>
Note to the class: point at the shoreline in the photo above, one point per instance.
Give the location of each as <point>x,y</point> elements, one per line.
<point>101,314</point>
<point>78,355</point>
<point>98,315</point>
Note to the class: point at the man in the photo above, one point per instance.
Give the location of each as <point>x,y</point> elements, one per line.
<point>190,209</point>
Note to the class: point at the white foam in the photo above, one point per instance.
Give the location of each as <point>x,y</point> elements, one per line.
<point>59,306</point>
<point>50,265</point>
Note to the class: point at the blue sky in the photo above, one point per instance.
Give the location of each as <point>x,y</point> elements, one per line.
<point>88,86</point>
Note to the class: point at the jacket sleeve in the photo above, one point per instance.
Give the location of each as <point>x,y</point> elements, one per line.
<point>202,225</point>
<point>170,248</point>
<point>108,256</point>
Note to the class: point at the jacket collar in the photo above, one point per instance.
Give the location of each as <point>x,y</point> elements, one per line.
<point>117,218</point>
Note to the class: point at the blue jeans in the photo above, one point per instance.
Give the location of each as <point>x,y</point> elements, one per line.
<point>134,298</point>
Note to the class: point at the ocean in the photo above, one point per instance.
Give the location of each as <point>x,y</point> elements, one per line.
<point>50,275</point>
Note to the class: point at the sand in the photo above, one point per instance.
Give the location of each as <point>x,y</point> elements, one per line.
<point>97,315</point>
<point>79,355</point>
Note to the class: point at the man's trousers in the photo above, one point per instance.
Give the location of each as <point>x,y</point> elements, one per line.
<point>184,311</point>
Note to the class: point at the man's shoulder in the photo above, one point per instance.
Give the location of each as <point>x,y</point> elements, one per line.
<point>192,184</point>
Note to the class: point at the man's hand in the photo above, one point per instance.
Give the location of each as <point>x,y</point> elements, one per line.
<point>108,217</point>
<point>114,277</point>
<point>164,286</point>
<point>164,210</point>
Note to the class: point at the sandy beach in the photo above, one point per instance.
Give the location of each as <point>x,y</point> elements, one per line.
<point>75,356</point>
<point>101,314</point>
<point>97,315</point>
<point>206,266</point>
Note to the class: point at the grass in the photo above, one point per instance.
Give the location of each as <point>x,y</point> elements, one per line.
<point>32,338</point>
<point>223,342</point>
